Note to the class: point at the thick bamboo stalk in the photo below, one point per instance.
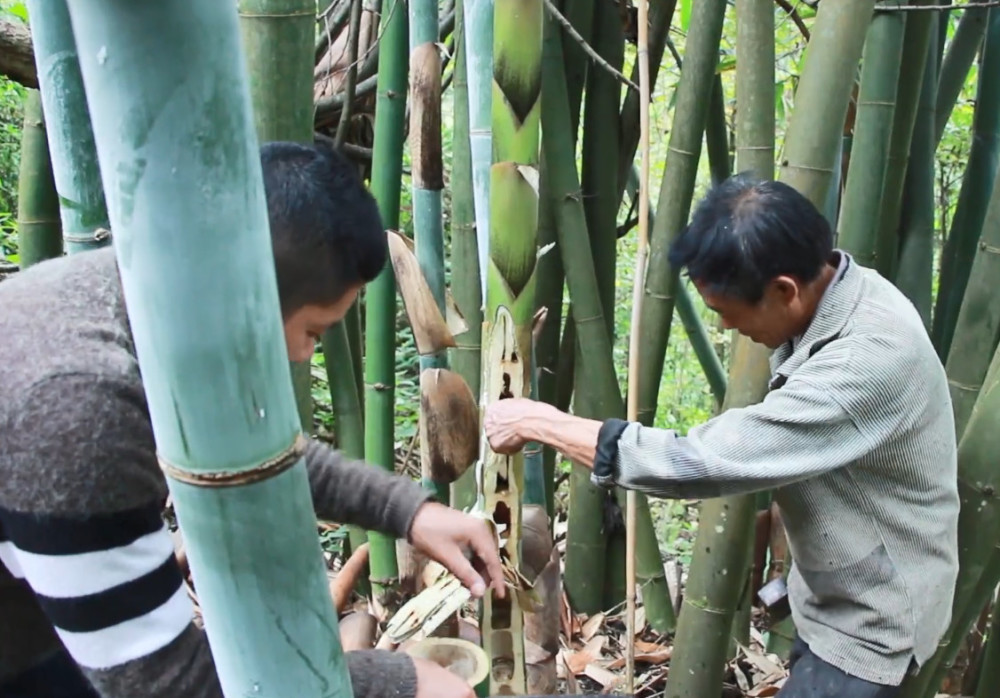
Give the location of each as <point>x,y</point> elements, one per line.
<point>955,66</point>
<point>73,155</point>
<point>822,95</point>
<point>720,568</point>
<point>973,199</point>
<point>579,67</point>
<point>676,192</point>
<point>233,469</point>
<point>858,225</point>
<point>39,234</point>
<point>717,135</point>
<point>978,322</point>
<point>278,43</point>
<point>916,41</point>
<point>510,301</point>
<point>599,147</point>
<point>914,277</point>
<point>380,295</point>
<point>466,357</point>
<point>585,545</point>
<point>978,523</point>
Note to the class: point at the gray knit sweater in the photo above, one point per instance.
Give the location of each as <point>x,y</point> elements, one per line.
<point>857,438</point>
<point>83,546</point>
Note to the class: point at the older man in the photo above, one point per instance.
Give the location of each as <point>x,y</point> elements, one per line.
<point>856,438</point>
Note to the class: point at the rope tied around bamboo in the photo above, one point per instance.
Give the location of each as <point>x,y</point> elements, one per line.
<point>235,478</point>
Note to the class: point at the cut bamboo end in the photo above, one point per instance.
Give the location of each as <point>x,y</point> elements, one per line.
<point>460,657</point>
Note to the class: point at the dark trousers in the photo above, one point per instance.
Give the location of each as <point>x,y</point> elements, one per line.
<point>56,677</point>
<point>811,677</point>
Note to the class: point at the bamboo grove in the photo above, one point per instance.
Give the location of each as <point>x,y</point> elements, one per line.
<point>500,139</point>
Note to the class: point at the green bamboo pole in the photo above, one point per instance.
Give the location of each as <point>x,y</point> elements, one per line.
<point>978,523</point>
<point>347,410</point>
<point>916,43</point>
<point>661,12</point>
<point>278,40</point>
<point>717,135</point>
<point>813,137</point>
<point>267,609</point>
<point>428,178</point>
<point>725,527</point>
<point>977,183</point>
<point>579,67</point>
<point>74,159</point>
<point>510,301</point>
<point>955,66</point>
<point>39,235</point>
<point>585,546</point>
<point>600,206</point>
<point>859,218</point>
<point>989,678</point>
<point>380,295</point>
<point>676,192</point>
<point>978,322</point>
<point>914,276</point>
<point>466,356</point>
<point>479,71</point>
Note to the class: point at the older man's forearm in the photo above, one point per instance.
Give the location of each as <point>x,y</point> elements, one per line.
<point>574,437</point>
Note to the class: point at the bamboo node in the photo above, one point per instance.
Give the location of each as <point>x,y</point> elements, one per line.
<point>98,235</point>
<point>964,386</point>
<point>235,478</point>
<point>991,249</point>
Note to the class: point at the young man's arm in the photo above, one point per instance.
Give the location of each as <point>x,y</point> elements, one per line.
<point>80,512</point>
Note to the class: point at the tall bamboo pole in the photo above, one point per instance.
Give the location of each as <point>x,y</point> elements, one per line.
<point>510,302</point>
<point>39,235</point>
<point>916,42</point>
<point>479,70</point>
<point>74,159</point>
<point>635,334</point>
<point>914,277</point>
<point>233,469</point>
<point>955,66</point>
<point>380,295</point>
<point>725,525</point>
<point>977,183</point>
<point>585,546</point>
<point>676,192</point>
<point>278,40</point>
<point>989,679</point>
<point>858,224</point>
<point>466,357</point>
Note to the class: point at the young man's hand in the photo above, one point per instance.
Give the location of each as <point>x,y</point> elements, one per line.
<point>434,681</point>
<point>444,534</point>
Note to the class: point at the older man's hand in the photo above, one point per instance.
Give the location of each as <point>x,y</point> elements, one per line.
<point>505,423</point>
<point>444,534</point>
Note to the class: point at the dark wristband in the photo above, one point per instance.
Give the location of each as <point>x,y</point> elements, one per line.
<point>606,459</point>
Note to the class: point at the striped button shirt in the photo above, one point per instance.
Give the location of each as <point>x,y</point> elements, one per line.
<point>857,439</point>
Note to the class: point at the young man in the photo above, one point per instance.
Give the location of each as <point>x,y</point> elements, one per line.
<point>855,436</point>
<point>88,566</point>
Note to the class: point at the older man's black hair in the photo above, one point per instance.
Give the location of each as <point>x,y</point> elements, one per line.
<point>746,232</point>
<point>326,230</point>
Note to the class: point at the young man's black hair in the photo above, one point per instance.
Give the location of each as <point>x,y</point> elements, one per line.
<point>326,230</point>
<point>746,232</point>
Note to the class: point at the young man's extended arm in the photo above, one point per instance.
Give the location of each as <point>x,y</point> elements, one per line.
<point>80,513</point>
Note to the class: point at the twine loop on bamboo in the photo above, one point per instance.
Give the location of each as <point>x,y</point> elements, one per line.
<point>235,478</point>
<point>99,235</point>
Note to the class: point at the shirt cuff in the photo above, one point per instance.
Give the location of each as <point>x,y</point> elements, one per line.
<point>605,471</point>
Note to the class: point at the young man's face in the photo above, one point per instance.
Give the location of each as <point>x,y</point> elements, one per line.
<point>771,321</point>
<point>305,325</point>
